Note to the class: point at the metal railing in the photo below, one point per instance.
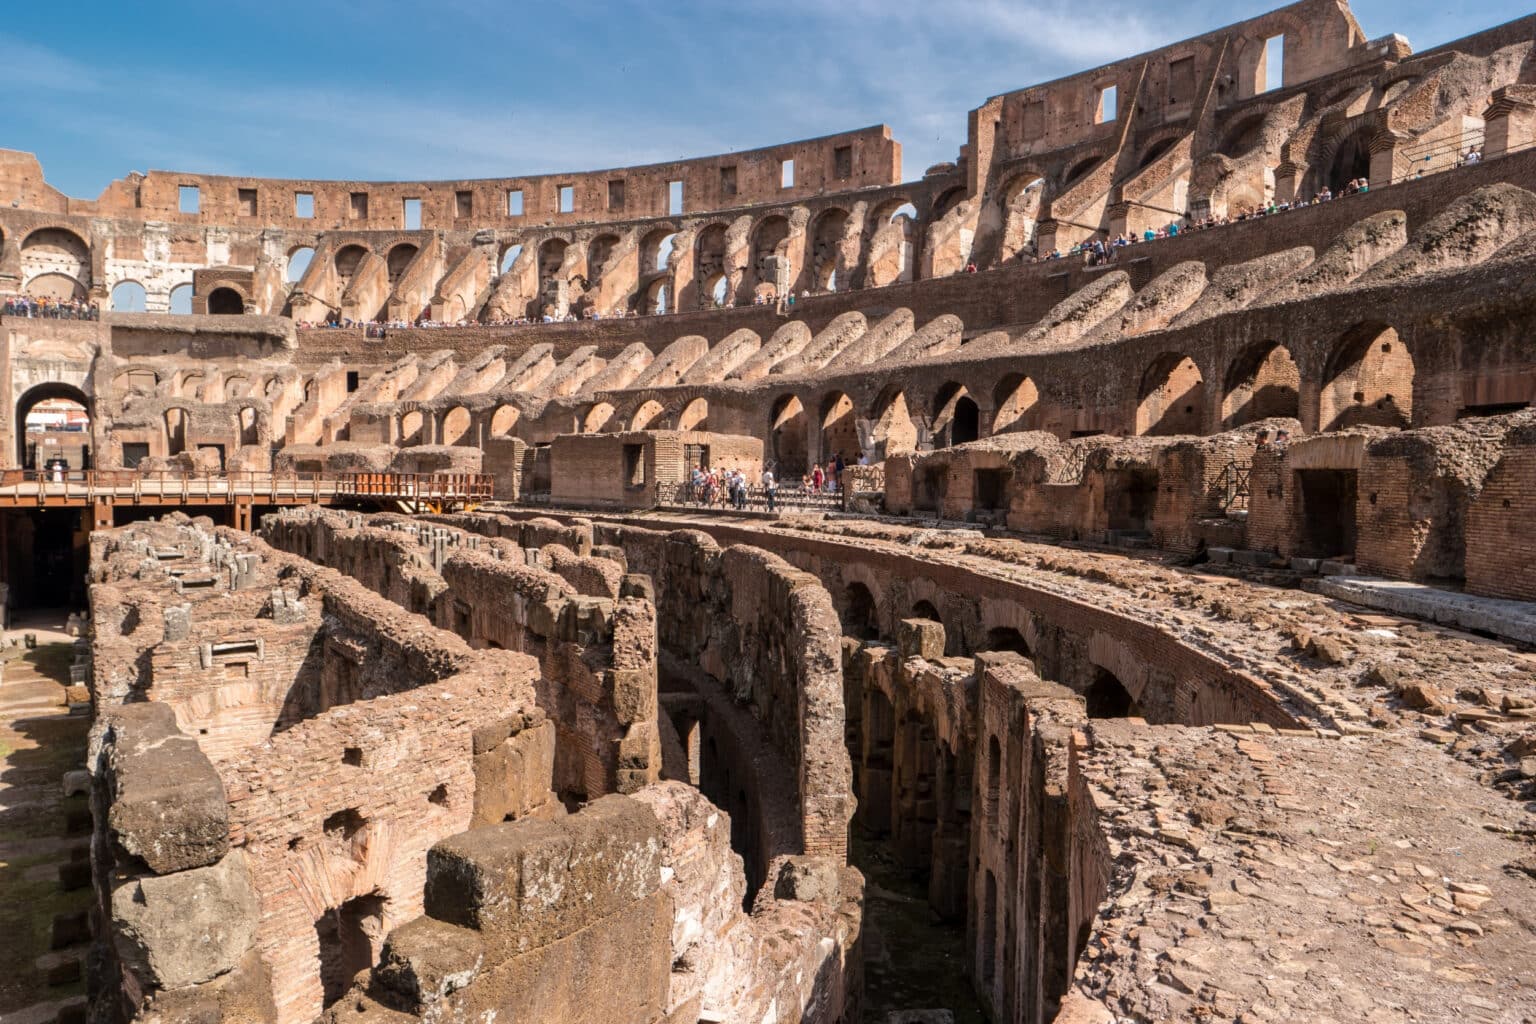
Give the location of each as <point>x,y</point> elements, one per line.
<point>45,487</point>
<point>1070,471</point>
<point>686,496</point>
<point>1232,486</point>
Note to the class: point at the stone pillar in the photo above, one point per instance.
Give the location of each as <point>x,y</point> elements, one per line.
<point>1510,121</point>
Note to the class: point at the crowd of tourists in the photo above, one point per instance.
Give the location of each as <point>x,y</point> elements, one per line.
<point>721,487</point>
<point>52,309</point>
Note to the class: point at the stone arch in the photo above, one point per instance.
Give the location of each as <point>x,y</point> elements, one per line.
<point>56,285</point>
<point>1107,697</point>
<point>1016,401</point>
<point>599,251</point>
<point>695,415</point>
<point>129,297</point>
<point>656,249</point>
<point>597,418</point>
<point>894,430</point>
<point>1171,399</point>
<point>181,298</point>
<point>1023,196</point>
<point>946,201</point>
<point>646,415</point>
<point>226,301</point>
<point>894,260</point>
<point>827,237</point>
<point>1243,135</point>
<point>1346,156</point>
<point>1078,171</point>
<point>1262,382</point>
<point>298,261</point>
<point>411,424</point>
<point>176,420</point>
<point>551,258</point>
<point>55,252</point>
<point>771,262</point>
<point>839,427</point>
<point>248,424</point>
<point>51,391</point>
<point>455,426</point>
<point>956,416</point>
<point>787,427</point>
<point>860,612</point>
<point>509,256</point>
<point>504,419</point>
<point>709,265</point>
<point>399,258</point>
<point>1155,149</point>
<point>658,296</point>
<point>1368,380</point>
<point>347,259</point>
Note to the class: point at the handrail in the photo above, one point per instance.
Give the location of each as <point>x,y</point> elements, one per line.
<point>277,487</point>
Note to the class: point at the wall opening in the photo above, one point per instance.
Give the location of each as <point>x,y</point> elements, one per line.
<point>189,199</point>
<point>412,212</point>
<point>1108,104</point>
<point>1326,516</point>
<point>225,302</point>
<point>129,297</point>
<point>787,174</point>
<point>1274,63</point>
<point>1107,697</point>
<point>859,614</point>
<point>350,938</point>
<point>304,205</point>
<point>181,299</point>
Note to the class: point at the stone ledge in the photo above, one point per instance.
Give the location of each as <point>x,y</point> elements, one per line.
<point>1513,620</point>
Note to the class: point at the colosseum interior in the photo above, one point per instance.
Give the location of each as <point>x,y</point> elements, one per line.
<point>1128,633</point>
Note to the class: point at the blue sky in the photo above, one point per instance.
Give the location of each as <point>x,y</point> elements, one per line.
<point>388,89</point>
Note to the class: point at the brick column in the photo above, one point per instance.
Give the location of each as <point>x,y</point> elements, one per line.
<point>1511,121</point>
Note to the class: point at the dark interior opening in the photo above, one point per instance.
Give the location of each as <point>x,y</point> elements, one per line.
<point>991,489</point>
<point>348,936</point>
<point>1327,513</point>
<point>1107,697</point>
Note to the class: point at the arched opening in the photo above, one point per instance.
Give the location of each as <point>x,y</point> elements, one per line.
<point>456,425</point>
<point>1006,638</point>
<point>1351,160</point>
<point>59,287</point>
<point>551,259</point>
<point>599,252</point>
<point>826,249</point>
<point>53,421</point>
<point>860,616</point>
<point>646,415</point>
<point>1243,136</point>
<point>597,418</point>
<point>346,261</point>
<point>658,297</point>
<point>695,416</point>
<point>181,299</point>
<point>410,427</point>
<point>225,302</point>
<point>1263,382</point>
<point>59,255</point>
<point>129,297</point>
<point>709,266</point>
<point>894,432</point>
<point>1014,398</point>
<point>925,610</point>
<point>399,259</point>
<point>890,249</point>
<point>298,263</point>
<point>508,257</point>
<point>249,424</point>
<point>956,417</point>
<point>1368,380</point>
<point>1172,397</point>
<point>236,386</point>
<point>947,201</point>
<point>1078,172</point>
<point>787,430</point>
<point>350,937</point>
<point>1021,210</point>
<point>1156,150</point>
<point>771,265</point>
<point>1107,697</point>
<point>175,431</point>
<point>503,420</point>
<point>839,428</point>
<point>656,250</point>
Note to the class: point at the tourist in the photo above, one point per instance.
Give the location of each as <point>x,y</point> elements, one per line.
<point>770,487</point>
<point>817,477</point>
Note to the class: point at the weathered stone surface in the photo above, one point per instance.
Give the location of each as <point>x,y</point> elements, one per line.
<point>185,928</point>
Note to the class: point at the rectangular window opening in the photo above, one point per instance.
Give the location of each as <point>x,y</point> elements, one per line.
<point>352,380</point>
<point>515,203</point>
<point>842,163</point>
<point>567,198</point>
<point>357,206</point>
<point>674,197</point>
<point>616,194</point>
<point>1274,62</point>
<point>728,180</point>
<point>1109,97</point>
<point>634,465</point>
<point>463,205</point>
<point>413,214</point>
<point>189,199</point>
<point>304,205</point>
<point>247,201</point>
<point>787,174</point>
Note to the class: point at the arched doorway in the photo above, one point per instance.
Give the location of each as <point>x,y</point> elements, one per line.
<point>787,423</point>
<point>1172,398</point>
<point>1263,382</point>
<point>53,421</point>
<point>129,297</point>
<point>1368,381</point>
<point>956,417</point>
<point>225,302</point>
<point>1351,160</point>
